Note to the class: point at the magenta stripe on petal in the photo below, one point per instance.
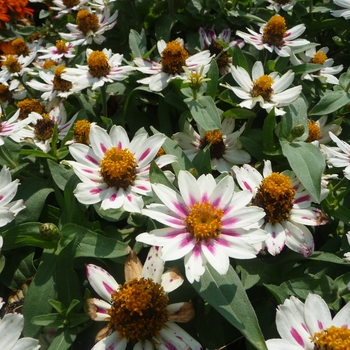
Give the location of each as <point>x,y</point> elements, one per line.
<point>185,241</point>
<point>168,345</point>
<point>180,208</point>
<point>129,198</point>
<point>120,145</point>
<point>1,197</point>
<point>101,311</point>
<point>229,221</point>
<point>297,336</point>
<point>92,160</point>
<point>145,154</point>
<point>302,199</point>
<point>223,242</point>
<point>108,288</point>
<point>142,188</point>
<point>111,347</point>
<point>246,185</point>
<point>88,171</point>
<point>95,191</point>
<point>103,148</point>
<point>113,197</point>
<point>320,325</point>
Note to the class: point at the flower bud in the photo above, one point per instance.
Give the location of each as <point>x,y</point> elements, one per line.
<point>49,231</point>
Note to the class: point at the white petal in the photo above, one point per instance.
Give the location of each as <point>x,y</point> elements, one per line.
<point>317,314</point>
<point>154,265</point>
<point>112,342</point>
<point>10,330</point>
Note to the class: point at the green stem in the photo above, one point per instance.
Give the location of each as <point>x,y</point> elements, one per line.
<point>103,91</point>
<point>6,156</point>
<point>342,182</point>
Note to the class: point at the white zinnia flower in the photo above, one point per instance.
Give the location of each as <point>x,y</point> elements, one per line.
<point>173,58</point>
<point>310,326</point>
<point>66,9</point>
<point>114,170</point>
<point>57,52</point>
<point>205,223</point>
<point>138,309</point>
<point>287,205</point>
<point>224,144</point>
<point>277,5</point>
<point>270,91</point>
<point>275,37</point>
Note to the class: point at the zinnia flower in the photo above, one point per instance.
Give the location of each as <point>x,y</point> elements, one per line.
<point>205,222</point>
<point>224,145</point>
<point>287,205</point>
<point>57,52</point>
<point>267,90</point>
<point>275,37</point>
<point>137,310</point>
<point>310,326</point>
<point>319,130</point>
<point>114,170</point>
<point>173,58</point>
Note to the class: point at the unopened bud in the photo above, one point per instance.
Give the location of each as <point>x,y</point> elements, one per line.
<point>49,231</point>
<point>298,130</point>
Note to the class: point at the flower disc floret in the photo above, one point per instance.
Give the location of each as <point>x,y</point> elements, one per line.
<point>216,141</point>
<point>70,3</point>
<point>263,87</point>
<point>29,105</point>
<point>275,195</point>
<point>139,309</point>
<point>81,131</point>
<point>12,64</point>
<point>332,338</point>
<point>98,64</point>
<point>87,21</point>
<point>5,93</point>
<point>314,131</point>
<point>118,168</point>
<point>61,46</point>
<point>319,58</point>
<point>174,58</point>
<point>60,84</point>
<point>20,47</point>
<point>44,127</point>
<point>275,31</point>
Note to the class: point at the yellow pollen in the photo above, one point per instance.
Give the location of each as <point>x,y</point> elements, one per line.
<point>12,64</point>
<point>87,22</point>
<point>139,309</point>
<point>98,64</point>
<point>43,128</point>
<point>118,168</point>
<point>48,64</point>
<point>29,105</point>
<point>216,141</point>
<point>81,131</point>
<point>5,93</point>
<point>332,338</point>
<point>314,131</point>
<point>61,46</point>
<point>319,58</point>
<point>262,87</point>
<point>160,152</point>
<point>20,47</point>
<point>70,3</point>
<point>174,58</point>
<point>204,221</point>
<point>275,31</point>
<point>60,84</point>
<point>275,195</point>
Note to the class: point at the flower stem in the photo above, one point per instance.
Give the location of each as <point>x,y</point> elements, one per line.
<point>6,156</point>
<point>104,100</point>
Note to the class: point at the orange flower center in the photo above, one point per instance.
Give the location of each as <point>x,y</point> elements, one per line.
<point>274,31</point>
<point>82,131</point>
<point>262,87</point>
<point>319,58</point>
<point>216,141</point>
<point>44,127</point>
<point>174,58</point>
<point>332,338</point>
<point>20,47</point>
<point>314,131</point>
<point>61,46</point>
<point>60,84</point>
<point>98,64</point>
<point>29,105</point>
<point>48,64</point>
<point>12,64</point>
<point>70,3</point>
<point>5,93</point>
<point>87,22</point>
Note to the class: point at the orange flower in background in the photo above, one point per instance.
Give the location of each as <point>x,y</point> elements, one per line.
<point>14,8</point>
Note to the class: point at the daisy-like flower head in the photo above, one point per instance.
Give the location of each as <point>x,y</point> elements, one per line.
<point>103,67</point>
<point>275,37</point>
<point>57,52</point>
<point>225,147</point>
<point>309,326</point>
<point>270,91</point>
<point>11,326</point>
<point>319,130</point>
<point>138,311</point>
<point>277,5</point>
<point>206,222</point>
<point>339,158</point>
<point>287,205</point>
<point>114,170</point>
<point>207,41</point>
<point>345,12</point>
<point>21,48</point>
<point>90,27</point>
<point>54,85</point>
<point>318,57</point>
<point>173,58</point>
<point>8,189</point>
<point>66,6</point>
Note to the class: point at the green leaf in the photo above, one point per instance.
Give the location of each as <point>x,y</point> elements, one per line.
<point>269,133</point>
<point>239,58</point>
<point>213,75</point>
<point>137,43</point>
<point>330,102</point>
<point>59,173</point>
<point>308,164</point>
<point>157,176</point>
<point>64,339</point>
<point>226,294</point>
<point>53,320</point>
<point>204,112</point>
<point>327,257</point>
<point>37,153</point>
<point>306,68</point>
<point>202,162</point>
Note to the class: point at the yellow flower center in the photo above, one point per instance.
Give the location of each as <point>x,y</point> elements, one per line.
<point>48,64</point>
<point>204,221</point>
<point>314,131</point>
<point>332,338</point>
<point>262,87</point>
<point>44,127</point>
<point>29,105</point>
<point>118,168</point>
<point>5,93</point>
<point>139,309</point>
<point>60,84</point>
<point>61,46</point>
<point>82,131</point>
<point>275,195</point>
<point>222,58</point>
<point>174,57</point>
<point>98,64</point>
<point>20,47</point>
<point>319,58</point>
<point>216,141</point>
<point>70,3</point>
<point>87,22</point>
<point>274,31</point>
<point>12,64</point>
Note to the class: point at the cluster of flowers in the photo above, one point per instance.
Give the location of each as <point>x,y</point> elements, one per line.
<point>203,219</point>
